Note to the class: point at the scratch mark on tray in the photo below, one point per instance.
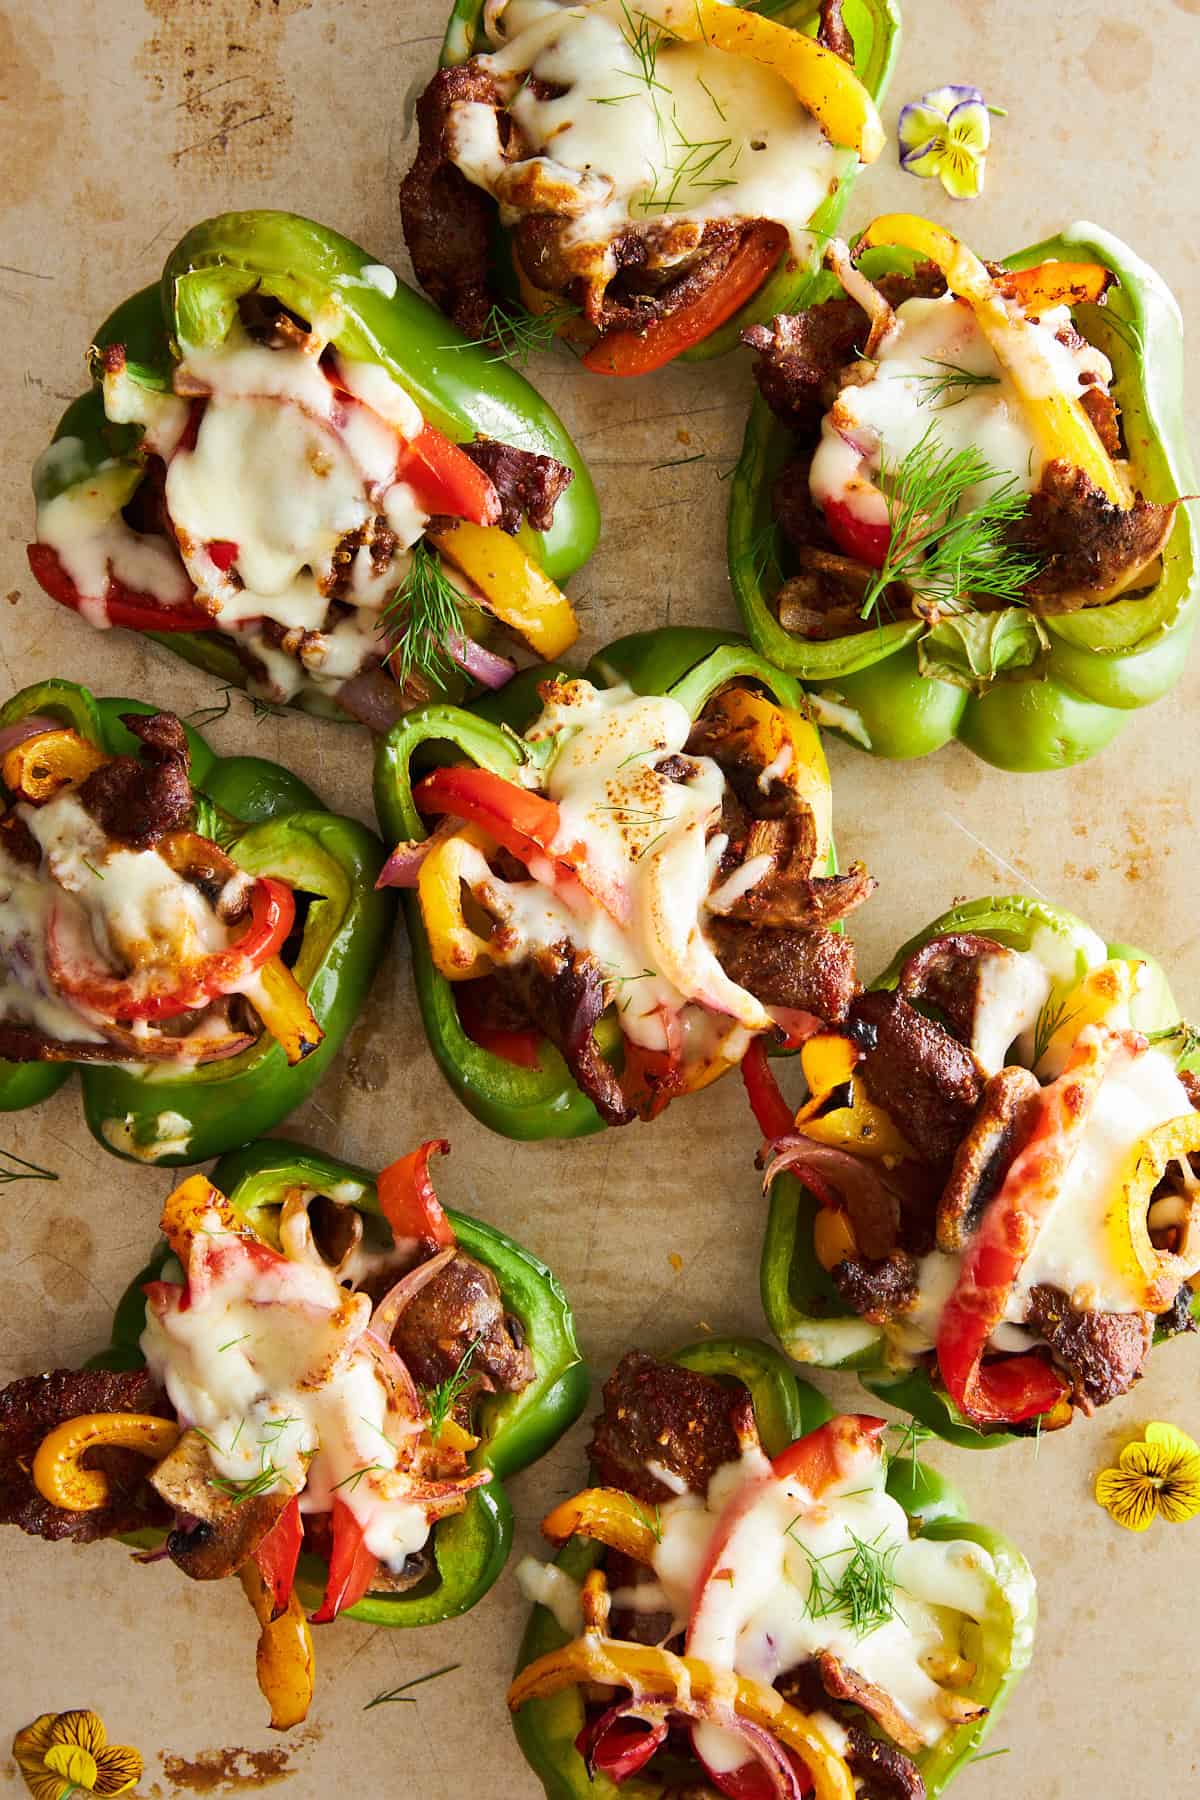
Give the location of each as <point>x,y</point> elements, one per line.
<point>219,137</point>
<point>1009,868</point>
<point>33,274</point>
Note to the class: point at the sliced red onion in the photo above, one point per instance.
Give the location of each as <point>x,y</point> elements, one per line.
<point>619,1755</point>
<point>33,726</point>
<point>402,1390</point>
<point>764,1749</point>
<point>481,664</point>
<point>373,698</point>
<point>386,1315</point>
<point>403,866</point>
<point>798,1026</point>
<point>865,1188</point>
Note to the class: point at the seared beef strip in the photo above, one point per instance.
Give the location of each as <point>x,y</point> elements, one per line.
<point>841,1682</point>
<point>528,485</point>
<point>561,992</point>
<point>1178,1316</point>
<point>810,970</point>
<point>657,1412</point>
<point>921,1076</point>
<point>459,1307</point>
<point>1083,542</point>
<point>141,799</point>
<point>998,1132</point>
<point>944,973</point>
<point>879,1288</point>
<point>786,897</point>
<point>222,1530</point>
<point>1103,1353</point>
<point>833,31</point>
<point>446,219</point>
<point>31,1407</point>
<point>884,1772</point>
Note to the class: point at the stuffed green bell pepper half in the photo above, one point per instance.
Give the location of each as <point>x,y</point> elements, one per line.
<point>623,883</point>
<point>759,1602</point>
<point>643,178</point>
<point>985,1203</point>
<point>294,473</point>
<point>320,1383</point>
<point>193,933</point>
<point>958,507</point>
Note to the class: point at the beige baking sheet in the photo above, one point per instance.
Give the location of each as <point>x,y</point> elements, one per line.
<point>121,124</point>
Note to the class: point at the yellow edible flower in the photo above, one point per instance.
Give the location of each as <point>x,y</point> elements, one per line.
<point>69,1753</point>
<point>1159,1473</point>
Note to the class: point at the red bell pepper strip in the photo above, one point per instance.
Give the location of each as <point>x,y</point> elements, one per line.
<point>408,1201</point>
<point>638,352</point>
<point>278,1554</point>
<point>1021,1387</point>
<point>774,1115</point>
<point>445,480</point>
<point>524,823</point>
<point>651,1079</point>
<point>351,1565</point>
<point>272,912</point>
<point>123,606</point>
<point>514,1044</point>
<point>866,540</point>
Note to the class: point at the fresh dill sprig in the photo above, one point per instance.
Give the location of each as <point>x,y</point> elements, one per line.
<point>441,1400</point>
<point>15,1168</point>
<point>863,1594</point>
<point>251,1488</point>
<point>947,556</point>
<point>987,1755</point>
<point>948,378</point>
<point>1052,1016</point>
<point>912,1436</point>
<point>203,716</point>
<point>761,553</point>
<point>1187,1036</point>
<point>89,864</point>
<point>514,335</point>
<point>402,1694</point>
<point>352,1480</point>
<point>421,617</point>
<point>678,462</point>
<point>653,1523</point>
<point>232,1341</point>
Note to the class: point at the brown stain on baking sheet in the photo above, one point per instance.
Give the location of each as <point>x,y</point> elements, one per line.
<point>63,1259</point>
<point>217,64</point>
<point>32,108</point>
<point>225,1771</point>
<point>1119,57</point>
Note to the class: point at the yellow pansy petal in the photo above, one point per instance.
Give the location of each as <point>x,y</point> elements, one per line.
<point>1177,1445</point>
<point>44,1785</point>
<point>1130,1500</point>
<point>1179,1496</point>
<point>73,1763</point>
<point>1142,1459</point>
<point>29,1745</point>
<point>80,1727</point>
<point>119,1767</point>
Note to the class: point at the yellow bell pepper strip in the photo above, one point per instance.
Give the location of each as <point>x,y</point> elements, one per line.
<point>1103,997</point>
<point>459,953</point>
<point>825,85</point>
<point>41,766</point>
<point>686,1685</point>
<point>788,744</point>
<point>187,1213</point>
<point>828,1061</point>
<point>58,1471</point>
<point>608,1515</point>
<point>282,1005</point>
<point>1061,428</point>
<point>514,588</point>
<point>1157,1273</point>
<point>1057,284</point>
<point>284,1661</point>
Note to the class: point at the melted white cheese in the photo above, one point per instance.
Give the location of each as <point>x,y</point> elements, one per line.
<point>887,406</point>
<point>284,466</point>
<point>756,1615</point>
<point>268,1359</point>
<point>545,1585</point>
<point>650,131</point>
<point>646,836</point>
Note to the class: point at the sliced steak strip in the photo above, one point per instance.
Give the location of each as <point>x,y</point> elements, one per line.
<point>561,992</point>
<point>841,1682</point>
<point>921,1076</point>
<point>461,1307</point>
<point>878,1289</point>
<point>656,1412</point>
<point>446,220</point>
<point>1103,1353</point>
<point>945,973</point>
<point>528,485</point>
<point>833,31</point>
<point>32,1407</point>
<point>140,800</point>
<point>1085,544</point>
<point>809,970</point>
<point>1000,1128</point>
<point>884,1772</point>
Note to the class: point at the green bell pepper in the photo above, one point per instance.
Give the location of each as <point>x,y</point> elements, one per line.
<point>1024,710</point>
<point>786,1408</point>
<point>317,274</point>
<point>689,663</point>
<point>803,1306</point>
<point>270,823</point>
<point>875,28</point>
<point>470,1548</point>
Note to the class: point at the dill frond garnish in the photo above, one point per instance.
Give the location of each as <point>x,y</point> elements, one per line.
<point>421,617</point>
<point>442,1399</point>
